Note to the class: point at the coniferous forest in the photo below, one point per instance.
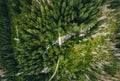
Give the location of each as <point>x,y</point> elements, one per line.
<point>59,40</point>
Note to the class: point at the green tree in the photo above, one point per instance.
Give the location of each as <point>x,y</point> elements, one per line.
<point>47,39</point>
<point>7,60</point>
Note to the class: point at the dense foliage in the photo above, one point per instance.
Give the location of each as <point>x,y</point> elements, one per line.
<point>55,40</point>
<point>115,5</point>
<point>7,59</point>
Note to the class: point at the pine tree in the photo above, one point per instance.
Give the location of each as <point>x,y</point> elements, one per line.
<point>43,28</point>
<point>7,60</point>
<point>47,39</point>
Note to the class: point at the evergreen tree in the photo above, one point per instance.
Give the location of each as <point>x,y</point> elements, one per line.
<point>7,60</point>
<point>47,39</point>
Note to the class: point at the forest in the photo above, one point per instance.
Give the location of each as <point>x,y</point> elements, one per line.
<point>59,40</point>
